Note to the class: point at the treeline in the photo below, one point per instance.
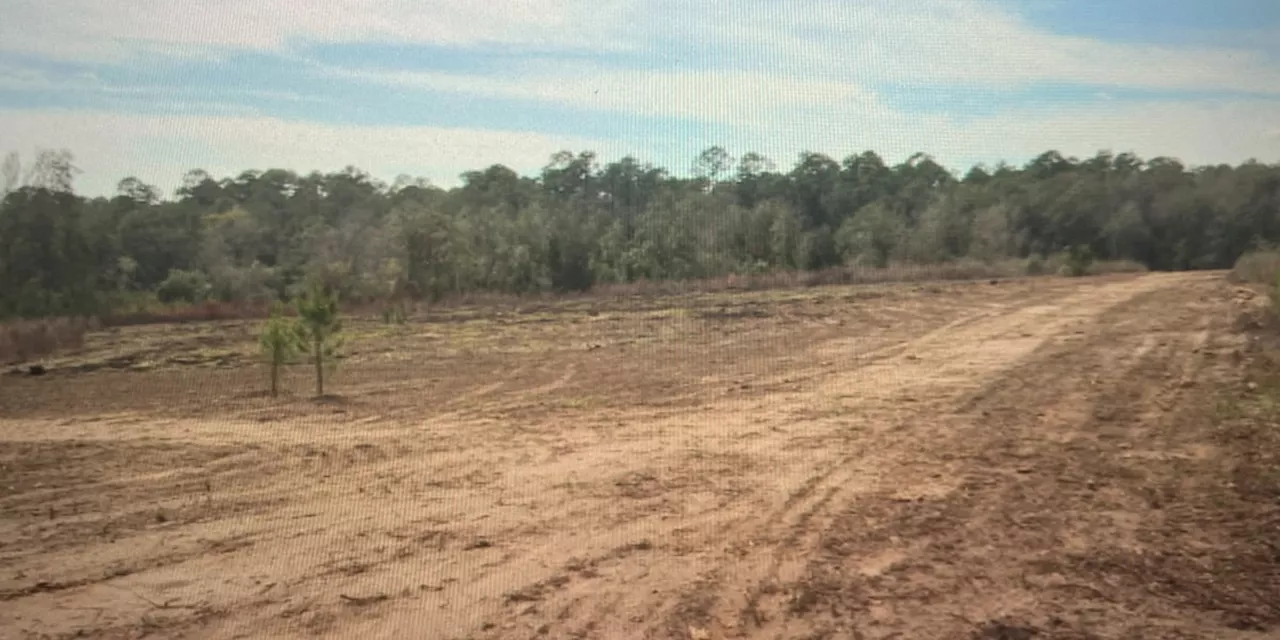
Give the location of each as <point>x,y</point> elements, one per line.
<point>266,235</point>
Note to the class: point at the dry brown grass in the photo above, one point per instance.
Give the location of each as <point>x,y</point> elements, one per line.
<point>1259,267</point>
<point>23,340</point>
<point>203,312</point>
<point>1116,266</point>
<point>212,310</point>
<point>851,275</point>
<point>12,348</point>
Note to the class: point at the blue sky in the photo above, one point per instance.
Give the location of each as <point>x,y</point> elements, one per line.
<point>432,88</point>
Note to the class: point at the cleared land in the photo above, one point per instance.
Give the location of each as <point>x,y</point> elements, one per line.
<point>1043,458</point>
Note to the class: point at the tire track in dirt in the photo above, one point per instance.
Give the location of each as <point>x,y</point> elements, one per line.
<point>669,524</point>
<point>745,560</point>
<point>743,581</point>
<point>948,364</point>
<point>850,347</point>
<point>1004,545</point>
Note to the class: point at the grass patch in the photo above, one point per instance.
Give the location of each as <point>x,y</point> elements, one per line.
<point>1256,267</point>
<point>139,310</point>
<point>207,311</point>
<point>1105,267</point>
<point>956,270</point>
<point>23,340</point>
<point>1249,421</point>
<point>146,310</point>
<point>1260,267</point>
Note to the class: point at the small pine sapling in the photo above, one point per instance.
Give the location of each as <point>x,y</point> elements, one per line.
<point>321,326</point>
<point>282,339</point>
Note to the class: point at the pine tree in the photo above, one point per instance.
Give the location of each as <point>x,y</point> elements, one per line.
<point>282,339</point>
<point>321,328</point>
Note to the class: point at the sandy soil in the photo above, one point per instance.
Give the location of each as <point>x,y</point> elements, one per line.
<point>1030,458</point>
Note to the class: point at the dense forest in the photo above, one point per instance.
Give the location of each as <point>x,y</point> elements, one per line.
<point>580,222</point>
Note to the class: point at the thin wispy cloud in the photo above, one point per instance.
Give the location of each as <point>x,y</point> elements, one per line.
<point>116,29</point>
<point>972,42</point>
<point>731,97</point>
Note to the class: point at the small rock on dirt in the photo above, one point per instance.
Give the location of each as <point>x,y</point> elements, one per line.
<point>696,633</point>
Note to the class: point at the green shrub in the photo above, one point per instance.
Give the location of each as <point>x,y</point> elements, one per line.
<point>1035,266</point>
<point>1100,267</point>
<point>183,286</point>
<point>1079,259</point>
<point>255,283</point>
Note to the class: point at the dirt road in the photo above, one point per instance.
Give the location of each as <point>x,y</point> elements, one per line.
<point>996,461</point>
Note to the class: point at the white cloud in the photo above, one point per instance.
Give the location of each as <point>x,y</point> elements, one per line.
<point>782,77</point>
<point>813,60</point>
<point>160,149</point>
<point>95,30</point>
<point>966,42</point>
<point>971,42</point>
<point>783,116</point>
<point>19,78</point>
<point>1205,133</point>
<point>1197,133</point>
<point>709,96</point>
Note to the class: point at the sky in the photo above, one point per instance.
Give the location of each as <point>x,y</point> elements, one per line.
<point>432,88</point>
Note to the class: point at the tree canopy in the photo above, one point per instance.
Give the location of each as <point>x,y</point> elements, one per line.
<point>270,234</point>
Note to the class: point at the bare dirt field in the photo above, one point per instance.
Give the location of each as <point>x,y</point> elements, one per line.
<point>1038,458</point>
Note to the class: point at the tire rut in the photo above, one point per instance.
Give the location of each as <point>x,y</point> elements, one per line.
<point>1002,548</point>
<point>964,346</point>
